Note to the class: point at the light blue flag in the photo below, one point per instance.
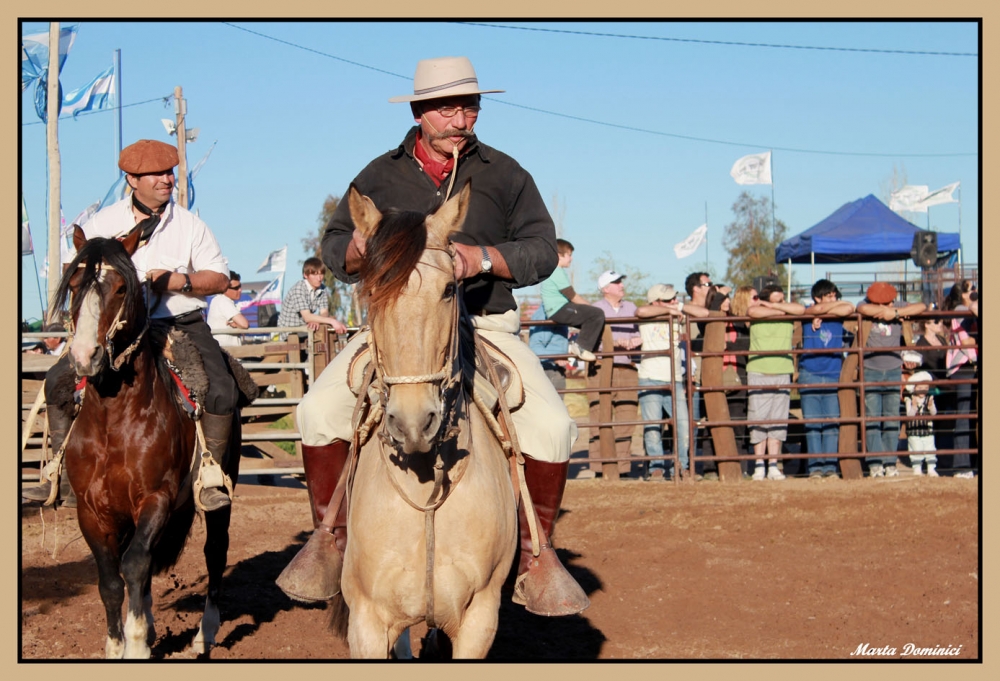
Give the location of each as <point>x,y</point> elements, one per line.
<point>116,193</point>
<point>35,53</point>
<point>94,96</point>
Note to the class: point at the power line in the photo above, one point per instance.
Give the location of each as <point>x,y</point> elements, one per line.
<point>165,100</point>
<point>732,43</point>
<point>617,125</point>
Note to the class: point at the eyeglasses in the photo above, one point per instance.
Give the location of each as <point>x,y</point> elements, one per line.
<point>755,298</point>
<point>706,285</point>
<point>236,288</point>
<point>662,300</point>
<point>448,111</point>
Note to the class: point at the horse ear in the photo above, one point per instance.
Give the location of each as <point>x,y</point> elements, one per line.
<point>131,241</point>
<point>364,214</point>
<point>449,217</point>
<point>79,238</point>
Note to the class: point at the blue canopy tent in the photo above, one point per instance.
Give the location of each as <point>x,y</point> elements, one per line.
<point>865,230</point>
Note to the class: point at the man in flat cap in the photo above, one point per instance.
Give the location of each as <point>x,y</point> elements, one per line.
<point>181,262</point>
<point>508,241</point>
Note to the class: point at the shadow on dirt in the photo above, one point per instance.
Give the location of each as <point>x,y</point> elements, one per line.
<point>248,590</point>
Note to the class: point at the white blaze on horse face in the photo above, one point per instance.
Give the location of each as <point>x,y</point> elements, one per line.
<point>85,344</point>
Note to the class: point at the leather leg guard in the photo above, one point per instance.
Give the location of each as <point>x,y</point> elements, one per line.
<point>216,428</point>
<point>59,424</point>
<point>314,574</point>
<point>543,586</point>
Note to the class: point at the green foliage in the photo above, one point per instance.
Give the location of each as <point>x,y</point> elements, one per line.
<point>751,239</point>
<point>636,281</point>
<point>342,303</point>
<point>285,423</point>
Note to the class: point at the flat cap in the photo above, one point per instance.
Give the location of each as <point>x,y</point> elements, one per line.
<point>148,156</point>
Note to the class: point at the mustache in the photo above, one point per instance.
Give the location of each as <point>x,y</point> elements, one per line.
<point>451,132</point>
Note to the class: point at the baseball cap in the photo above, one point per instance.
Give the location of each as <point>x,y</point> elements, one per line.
<point>660,292</point>
<point>608,277</point>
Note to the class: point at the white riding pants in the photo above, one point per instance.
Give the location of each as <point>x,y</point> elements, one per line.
<point>545,430</point>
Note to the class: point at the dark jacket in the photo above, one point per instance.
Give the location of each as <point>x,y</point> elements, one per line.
<point>505,211</point>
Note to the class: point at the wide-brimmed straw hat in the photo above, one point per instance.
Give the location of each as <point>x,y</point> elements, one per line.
<point>443,77</point>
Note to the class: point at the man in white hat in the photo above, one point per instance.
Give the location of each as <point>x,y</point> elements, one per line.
<point>508,241</point>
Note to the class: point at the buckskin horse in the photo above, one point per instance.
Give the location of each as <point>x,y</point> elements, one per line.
<point>130,452</point>
<point>432,521</point>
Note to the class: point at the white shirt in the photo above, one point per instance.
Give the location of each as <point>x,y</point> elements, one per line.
<point>657,337</point>
<point>180,243</point>
<point>220,311</point>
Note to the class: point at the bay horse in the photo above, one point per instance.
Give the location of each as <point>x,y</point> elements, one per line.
<point>129,453</point>
<point>434,453</point>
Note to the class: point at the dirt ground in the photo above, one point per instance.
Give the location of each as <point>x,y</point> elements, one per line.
<point>798,569</point>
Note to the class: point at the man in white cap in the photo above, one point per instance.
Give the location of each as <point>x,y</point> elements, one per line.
<point>508,241</point>
<point>181,262</point>
<point>625,405</point>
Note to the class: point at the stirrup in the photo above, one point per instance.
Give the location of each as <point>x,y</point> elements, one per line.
<point>546,587</point>
<point>314,574</point>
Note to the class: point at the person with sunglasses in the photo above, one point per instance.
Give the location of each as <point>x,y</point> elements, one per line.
<point>508,241</point>
<point>223,313</point>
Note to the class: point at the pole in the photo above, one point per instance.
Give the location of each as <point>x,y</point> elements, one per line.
<point>118,106</point>
<point>706,236</point>
<point>180,109</point>
<point>55,187</point>
<point>774,224</point>
<point>960,229</point>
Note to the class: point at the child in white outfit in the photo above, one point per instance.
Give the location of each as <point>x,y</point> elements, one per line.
<point>920,431</point>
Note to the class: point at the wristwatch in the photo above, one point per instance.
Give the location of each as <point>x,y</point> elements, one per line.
<point>186,288</point>
<point>487,264</point>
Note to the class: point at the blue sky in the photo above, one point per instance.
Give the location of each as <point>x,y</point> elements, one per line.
<point>298,108</point>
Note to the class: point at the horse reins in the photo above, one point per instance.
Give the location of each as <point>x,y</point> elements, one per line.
<point>117,324</point>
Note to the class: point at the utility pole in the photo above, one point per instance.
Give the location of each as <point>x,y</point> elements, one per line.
<point>180,109</point>
<point>53,104</point>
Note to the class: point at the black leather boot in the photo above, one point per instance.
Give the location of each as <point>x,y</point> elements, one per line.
<point>216,428</point>
<point>543,586</point>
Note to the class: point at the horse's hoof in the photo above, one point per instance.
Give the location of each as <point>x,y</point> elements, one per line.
<point>547,589</point>
<point>314,573</point>
<point>213,498</point>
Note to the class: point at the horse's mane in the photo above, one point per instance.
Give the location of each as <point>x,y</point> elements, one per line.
<point>391,253</point>
<point>94,253</point>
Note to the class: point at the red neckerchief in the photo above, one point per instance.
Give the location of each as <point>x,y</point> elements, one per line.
<point>435,170</point>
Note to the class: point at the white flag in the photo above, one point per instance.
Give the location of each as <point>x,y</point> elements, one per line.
<point>942,195</point>
<point>275,261</point>
<point>753,169</point>
<point>907,198</point>
<point>691,244</point>
<point>271,294</point>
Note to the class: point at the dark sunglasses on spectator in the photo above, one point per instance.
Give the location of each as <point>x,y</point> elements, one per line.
<point>236,288</point>
<point>663,300</point>
<point>706,285</point>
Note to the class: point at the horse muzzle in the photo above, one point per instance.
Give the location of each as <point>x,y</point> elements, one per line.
<point>87,361</point>
<point>414,425</point>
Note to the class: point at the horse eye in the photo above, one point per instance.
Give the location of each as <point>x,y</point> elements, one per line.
<point>120,290</point>
<point>449,291</point>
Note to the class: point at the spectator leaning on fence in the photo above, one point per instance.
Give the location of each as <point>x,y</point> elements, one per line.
<point>769,377</point>
<point>623,374</point>
<point>883,366</point>
<point>822,403</point>
<point>223,313</point>
<point>963,364</point>
<point>662,376</point>
<point>307,303</point>
<point>565,306</point>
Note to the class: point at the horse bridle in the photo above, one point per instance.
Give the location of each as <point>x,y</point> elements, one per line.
<point>116,325</point>
<point>449,375</point>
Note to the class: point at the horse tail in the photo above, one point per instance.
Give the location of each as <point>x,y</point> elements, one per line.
<point>167,550</point>
<point>339,615</point>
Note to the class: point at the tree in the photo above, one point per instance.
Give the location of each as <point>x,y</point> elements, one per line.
<point>343,301</point>
<point>636,281</point>
<point>751,240</point>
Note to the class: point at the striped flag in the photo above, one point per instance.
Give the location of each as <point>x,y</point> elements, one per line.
<point>94,96</point>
